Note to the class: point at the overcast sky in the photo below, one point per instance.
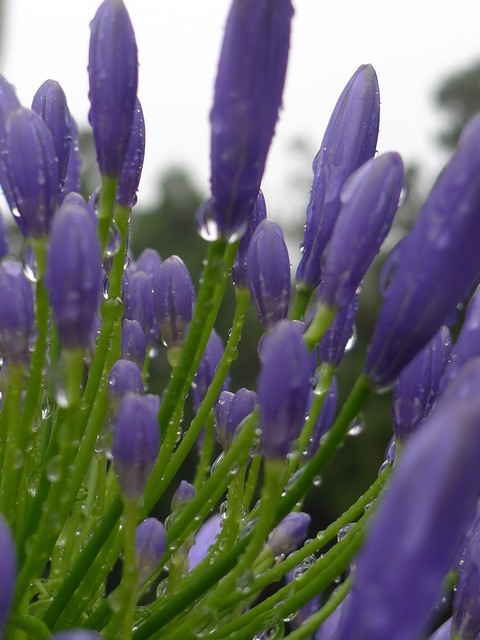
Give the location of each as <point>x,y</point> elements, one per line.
<point>412,45</point>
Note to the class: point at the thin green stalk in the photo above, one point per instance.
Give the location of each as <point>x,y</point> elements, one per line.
<point>321,321</point>
<point>31,625</point>
<point>252,480</point>
<point>302,298</point>
<point>105,210</point>
<point>206,450</point>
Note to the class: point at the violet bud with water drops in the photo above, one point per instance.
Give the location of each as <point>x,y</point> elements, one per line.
<point>204,539</point>
<point>136,442</point>
<point>283,387</point>
<point>183,495</point>
<point>206,369</point>
<point>466,603</point>
<point>439,255</point>
<point>268,273</point>
<point>289,534</point>
<point>141,305</point>
<point>341,331</point>
<point>349,140</point>
<point>134,342</point>
<point>150,544</point>
<point>174,300</point>
<point>149,262</point>
<point>51,105</point>
<point>230,410</point>
<point>247,99</point>
<point>73,272</point>
<point>132,167</point>
<point>8,103</point>
<point>72,181</point>
<point>258,213</point>
<point>124,377</point>
<point>369,200</point>
<point>113,78</point>
<point>16,312</point>
<point>418,386</point>
<point>420,521</point>
<point>8,562</point>
<point>32,170</point>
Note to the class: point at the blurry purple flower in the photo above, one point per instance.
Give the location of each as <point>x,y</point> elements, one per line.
<point>16,312</point>
<point>133,163</point>
<point>72,181</point>
<point>124,378</point>
<point>268,273</point>
<point>349,141</point>
<point>466,603</point>
<point>113,75</point>
<point>207,368</point>
<point>134,342</point>
<point>436,266</point>
<point>149,262</point>
<point>73,271</point>
<point>283,387</point>
<point>248,94</point>
<point>204,538</point>
<point>8,103</point>
<point>289,534</point>
<point>230,410</point>
<point>184,494</point>
<point>328,629</point>
<point>150,543</point>
<point>258,213</point>
<point>140,305</point>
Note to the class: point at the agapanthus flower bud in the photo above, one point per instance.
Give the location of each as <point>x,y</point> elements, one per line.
<point>134,342</point>
<point>328,630</point>
<point>8,562</point>
<point>184,494</point>
<point>32,170</point>
<point>133,163</point>
<point>283,387</point>
<point>206,369</point>
<point>113,76</point>
<point>420,522</point>
<point>135,444</point>
<point>418,385</point>
<point>8,103</point>
<point>76,634</point>
<point>16,312</point>
<point>440,254</point>
<point>73,271</point>
<point>268,273</point>
<point>308,609</point>
<point>230,410</point>
<point>72,181</point>
<point>258,213</point>
<point>289,534</point>
<point>248,94</point>
<point>124,378</point>
<point>51,105</point>
<point>350,140</point>
<point>174,300</point>
<point>369,200</point>
<point>466,603</point>
<point>325,418</point>
<point>204,539</point>
<point>149,262</point>
<point>334,341</point>
<point>150,543</point>
<point>141,305</point>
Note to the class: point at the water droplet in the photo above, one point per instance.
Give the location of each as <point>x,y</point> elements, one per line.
<point>206,224</point>
<point>53,468</point>
<point>357,426</point>
<point>47,406</point>
<point>216,463</point>
<point>344,530</point>
<point>114,241</point>
<point>383,467</point>
<point>352,340</point>
<point>317,481</point>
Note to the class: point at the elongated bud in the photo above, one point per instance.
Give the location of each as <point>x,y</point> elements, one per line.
<point>8,103</point>
<point>141,305</point>
<point>350,140</point>
<point>259,213</point>
<point>33,171</point>
<point>149,262</point>
<point>230,410</point>
<point>124,377</point>
<point>16,315</point>
<point>72,181</point>
<point>268,273</point>
<point>134,342</point>
<point>207,368</point>
<point>441,248</point>
<point>150,543</point>
<point>113,76</point>
<point>133,163</point>
<point>184,494</point>
<point>283,387</point>
<point>248,95</point>
<point>73,271</point>
<point>289,534</point>
<point>204,539</point>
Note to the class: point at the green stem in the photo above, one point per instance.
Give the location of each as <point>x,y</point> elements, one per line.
<point>302,298</point>
<point>122,217</point>
<point>205,453</point>
<point>319,325</point>
<point>252,480</point>
<point>31,625</point>
<point>105,211</point>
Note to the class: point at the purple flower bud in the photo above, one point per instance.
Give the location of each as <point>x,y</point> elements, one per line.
<point>349,141</point>
<point>124,378</point>
<point>268,272</point>
<point>134,342</point>
<point>441,255</point>
<point>73,271</point>
<point>33,171</point>
<point>135,444</point>
<point>16,312</point>
<point>466,603</point>
<point>150,543</point>
<point>133,164</point>
<point>204,539</point>
<point>113,75</point>
<point>248,94</point>
<point>51,105</point>
<point>283,387</point>
<point>325,419</point>
<point>174,300</point>
<point>72,181</point>
<point>141,305</point>
<point>308,609</point>
<point>333,343</point>
<point>76,634</point>
<point>420,522</point>
<point>8,560</point>
<point>289,534</point>
<point>149,262</point>
<point>369,201</point>
<point>259,213</point>
<point>230,410</point>
<point>418,385</point>
<point>207,368</point>
<point>328,630</point>
<point>184,494</point>
<point>8,103</point>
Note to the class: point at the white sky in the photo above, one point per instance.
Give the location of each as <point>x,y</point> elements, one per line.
<point>412,44</point>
